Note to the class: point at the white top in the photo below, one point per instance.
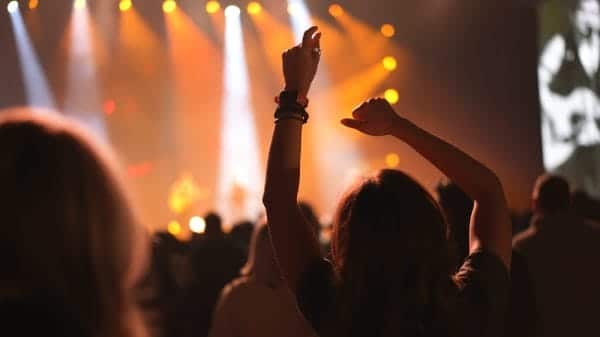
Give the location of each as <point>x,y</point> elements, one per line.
<point>248,308</point>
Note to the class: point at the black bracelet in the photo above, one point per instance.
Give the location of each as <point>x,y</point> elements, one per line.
<point>291,112</point>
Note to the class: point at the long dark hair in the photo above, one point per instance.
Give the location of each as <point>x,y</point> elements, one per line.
<point>390,258</point>
<point>68,228</point>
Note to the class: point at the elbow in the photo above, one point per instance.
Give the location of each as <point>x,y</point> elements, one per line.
<point>492,189</point>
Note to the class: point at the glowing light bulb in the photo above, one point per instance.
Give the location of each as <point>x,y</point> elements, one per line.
<point>232,11</point>
<point>388,30</point>
<point>392,96</point>
<point>392,160</point>
<point>254,8</point>
<point>336,10</point>
<point>174,228</point>
<point>125,5</point>
<point>169,6</point>
<point>80,4</point>
<point>33,4</point>
<point>213,7</point>
<point>197,225</point>
<point>12,7</point>
<point>389,63</point>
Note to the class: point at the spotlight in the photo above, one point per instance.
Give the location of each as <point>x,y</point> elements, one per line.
<point>390,63</point>
<point>125,5</point>
<point>12,7</point>
<point>174,228</point>
<point>232,11</point>
<point>392,160</point>
<point>33,4</point>
<point>169,6</point>
<point>197,225</point>
<point>388,30</point>
<point>336,10</point>
<point>79,4</point>
<point>212,7</point>
<point>254,8</point>
<point>392,96</point>
<point>294,8</point>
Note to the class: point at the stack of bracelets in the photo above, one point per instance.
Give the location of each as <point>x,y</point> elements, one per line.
<point>291,107</point>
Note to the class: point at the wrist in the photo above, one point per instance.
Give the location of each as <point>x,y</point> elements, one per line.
<point>399,127</point>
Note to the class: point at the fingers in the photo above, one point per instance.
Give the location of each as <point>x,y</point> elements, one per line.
<point>353,123</point>
<point>308,40</point>
<point>318,40</point>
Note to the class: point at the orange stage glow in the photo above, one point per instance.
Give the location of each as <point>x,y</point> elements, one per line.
<point>273,44</point>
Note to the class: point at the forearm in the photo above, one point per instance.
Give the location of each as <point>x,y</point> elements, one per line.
<point>490,222</point>
<point>292,239</point>
<point>478,181</point>
<point>283,167</point>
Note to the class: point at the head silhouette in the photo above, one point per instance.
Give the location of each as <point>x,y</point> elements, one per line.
<point>214,225</point>
<point>551,195</point>
<point>68,230</point>
<point>389,251</point>
<point>261,260</point>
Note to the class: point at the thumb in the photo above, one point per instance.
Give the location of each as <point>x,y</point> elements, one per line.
<point>353,123</point>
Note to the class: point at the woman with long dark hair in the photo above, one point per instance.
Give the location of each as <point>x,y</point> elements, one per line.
<point>72,251</point>
<point>391,272</point>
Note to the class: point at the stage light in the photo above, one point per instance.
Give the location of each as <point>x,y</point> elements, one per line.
<point>197,225</point>
<point>254,8</point>
<point>174,228</point>
<point>294,8</point>
<point>388,30</point>
<point>125,5</point>
<point>12,7</point>
<point>392,96</point>
<point>82,92</point>
<point>239,185</point>
<point>336,10</point>
<point>79,4</point>
<point>232,11</point>
<point>169,6</point>
<point>213,7</point>
<point>392,160</point>
<point>37,89</point>
<point>33,4</point>
<point>390,63</point>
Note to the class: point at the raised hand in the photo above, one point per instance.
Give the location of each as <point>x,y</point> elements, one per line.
<point>301,62</point>
<point>375,117</point>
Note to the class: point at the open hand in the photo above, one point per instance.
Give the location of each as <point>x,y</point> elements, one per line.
<point>301,62</point>
<point>375,117</point>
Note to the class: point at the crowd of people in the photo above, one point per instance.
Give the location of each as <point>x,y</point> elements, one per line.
<point>401,262</point>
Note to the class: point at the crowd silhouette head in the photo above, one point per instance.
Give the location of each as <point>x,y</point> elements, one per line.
<point>69,231</point>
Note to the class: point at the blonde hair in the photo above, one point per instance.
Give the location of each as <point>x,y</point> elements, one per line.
<point>68,226</point>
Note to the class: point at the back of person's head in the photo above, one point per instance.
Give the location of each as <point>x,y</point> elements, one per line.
<point>551,195</point>
<point>241,234</point>
<point>261,260</point>
<point>389,252</point>
<point>457,207</point>
<point>68,231</point>
<point>214,225</point>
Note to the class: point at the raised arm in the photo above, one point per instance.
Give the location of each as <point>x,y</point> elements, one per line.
<point>490,227</point>
<point>294,242</point>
